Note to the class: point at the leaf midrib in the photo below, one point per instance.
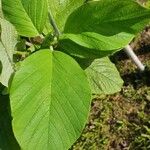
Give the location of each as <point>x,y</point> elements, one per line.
<point>29,17</point>
<point>51,79</point>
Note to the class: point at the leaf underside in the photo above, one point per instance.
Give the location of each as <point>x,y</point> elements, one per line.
<point>7,45</point>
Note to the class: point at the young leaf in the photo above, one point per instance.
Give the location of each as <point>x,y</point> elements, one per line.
<point>27,16</point>
<point>7,45</point>
<point>111,19</point>
<point>104,77</point>
<point>50,100</point>
<point>62,9</point>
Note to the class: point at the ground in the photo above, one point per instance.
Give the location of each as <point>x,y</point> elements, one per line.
<point>122,121</point>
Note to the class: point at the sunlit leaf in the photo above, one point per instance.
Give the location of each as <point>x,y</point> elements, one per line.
<point>49,102</point>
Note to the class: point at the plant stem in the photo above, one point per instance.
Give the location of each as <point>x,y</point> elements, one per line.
<point>21,53</point>
<point>134,57</point>
<point>53,23</point>
<point>28,44</point>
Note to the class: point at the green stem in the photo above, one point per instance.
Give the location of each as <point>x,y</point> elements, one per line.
<point>21,53</point>
<point>53,23</point>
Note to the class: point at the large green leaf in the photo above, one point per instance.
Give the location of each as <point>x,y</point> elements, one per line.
<point>101,17</point>
<point>7,45</point>
<point>61,9</point>
<point>50,100</point>
<point>104,77</point>
<point>110,23</point>
<point>27,16</point>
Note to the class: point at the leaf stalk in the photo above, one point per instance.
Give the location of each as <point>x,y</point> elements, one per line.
<point>53,23</point>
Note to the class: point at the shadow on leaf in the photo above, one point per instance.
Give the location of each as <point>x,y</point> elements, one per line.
<point>7,139</point>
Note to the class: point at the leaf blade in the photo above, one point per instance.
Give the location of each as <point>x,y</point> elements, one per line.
<point>25,15</point>
<point>111,19</point>
<point>92,45</point>
<point>54,107</point>
<point>7,45</point>
<point>104,77</point>
<point>7,139</point>
<point>103,17</point>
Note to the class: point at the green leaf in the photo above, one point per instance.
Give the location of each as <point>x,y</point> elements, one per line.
<point>102,18</point>
<point>7,139</point>
<point>92,45</point>
<point>104,77</point>
<point>7,67</point>
<point>62,9</point>
<point>118,20</point>
<point>50,100</point>
<point>7,45</point>
<point>27,16</point>
<point>1,13</point>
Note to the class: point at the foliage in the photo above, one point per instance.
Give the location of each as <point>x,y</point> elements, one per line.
<point>50,93</point>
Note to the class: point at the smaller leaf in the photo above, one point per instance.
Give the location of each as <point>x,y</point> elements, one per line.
<point>7,45</point>
<point>8,37</point>
<point>104,77</point>
<point>28,17</point>
<point>7,68</point>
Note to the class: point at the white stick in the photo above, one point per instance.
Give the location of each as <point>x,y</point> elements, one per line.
<point>134,57</point>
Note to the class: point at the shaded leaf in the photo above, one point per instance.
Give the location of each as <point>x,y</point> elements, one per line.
<point>7,45</point>
<point>104,77</point>
<point>92,45</point>
<point>7,139</point>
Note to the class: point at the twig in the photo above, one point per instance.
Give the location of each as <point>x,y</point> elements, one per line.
<point>134,57</point>
<point>28,44</point>
<point>53,23</point>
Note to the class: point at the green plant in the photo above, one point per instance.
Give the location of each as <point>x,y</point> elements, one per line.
<point>50,93</point>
